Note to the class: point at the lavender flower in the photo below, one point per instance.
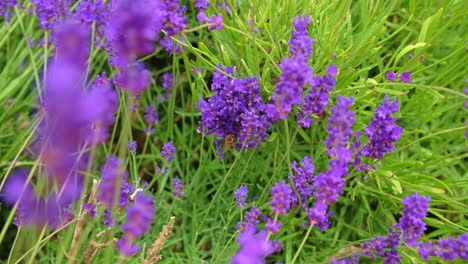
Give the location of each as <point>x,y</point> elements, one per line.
<point>202,4</point>
<point>133,78</point>
<point>215,20</point>
<point>384,247</point>
<point>391,76</point>
<point>178,187</point>
<point>446,248</point>
<point>303,178</point>
<point>461,246</point>
<point>281,196</point>
<point>133,28</point>
<point>235,114</point>
<point>339,130</point>
<point>132,146</point>
<point>272,226</point>
<point>241,195</point>
<point>318,216</point>
<point>174,17</point>
<point>168,151</point>
<point>300,44</point>
<point>406,77</point>
<point>167,81</point>
<point>251,220</point>
<point>49,11</point>
<point>411,223</point>
<point>383,131</point>
<point>113,182</point>
<point>139,218</point>
<point>316,100</point>
<point>295,74</point>
<point>151,116</point>
<point>253,247</point>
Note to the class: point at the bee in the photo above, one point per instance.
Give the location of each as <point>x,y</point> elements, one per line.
<point>230,140</point>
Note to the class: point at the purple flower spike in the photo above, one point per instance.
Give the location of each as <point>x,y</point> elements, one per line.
<point>406,77</point>
<point>295,74</point>
<point>215,20</point>
<point>132,146</point>
<point>272,226</point>
<point>300,44</point>
<point>303,177</point>
<point>447,248</point>
<point>202,4</point>
<point>383,130</point>
<point>339,130</point>
<point>241,195</point>
<point>316,100</point>
<point>113,174</point>
<point>391,76</point>
<point>139,218</point>
<point>411,223</point>
<point>281,196</point>
<point>151,116</point>
<point>168,151</point>
<point>178,187</point>
<point>253,247</point>
<point>251,220</point>
<point>461,246</point>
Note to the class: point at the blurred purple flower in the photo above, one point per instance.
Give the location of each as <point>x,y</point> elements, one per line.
<point>251,220</point>
<point>300,44</point>
<point>253,247</point>
<point>281,196</point>
<point>114,184</point>
<point>132,146</point>
<point>177,187</point>
<point>202,4</point>
<point>406,77</point>
<point>168,151</point>
<point>240,195</point>
<point>303,177</point>
<point>391,76</point>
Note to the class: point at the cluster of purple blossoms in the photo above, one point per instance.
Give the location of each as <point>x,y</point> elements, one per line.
<point>251,220</point>
<point>382,133</point>
<point>202,4</point>
<point>167,82</point>
<point>384,247</point>
<point>240,195</point>
<point>132,146</point>
<point>383,130</point>
<point>303,178</point>
<point>139,218</point>
<point>447,248</point>
<point>175,22</point>
<point>404,77</point>
<point>409,229</point>
<point>50,11</point>
<point>415,208</point>
<point>295,72</point>
<point>254,247</point>
<point>294,75</point>
<point>178,188</point>
<point>281,198</point>
<point>114,184</point>
<point>235,114</point>
<point>300,44</point>
<point>4,4</point>
<point>216,21</point>
<point>151,118</point>
<point>63,135</point>
<point>328,185</point>
<point>168,151</point>
<point>316,100</point>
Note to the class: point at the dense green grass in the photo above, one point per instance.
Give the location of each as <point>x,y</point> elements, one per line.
<point>369,38</point>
